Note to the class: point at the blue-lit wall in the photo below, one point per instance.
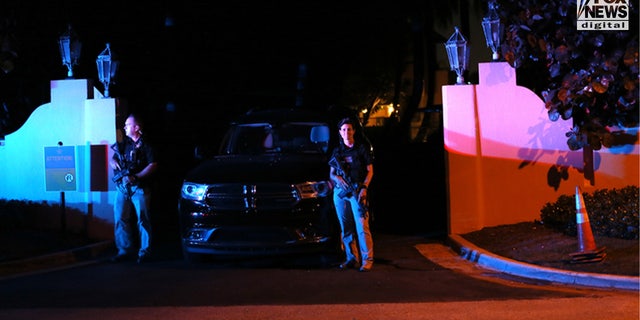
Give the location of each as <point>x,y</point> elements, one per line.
<point>73,118</point>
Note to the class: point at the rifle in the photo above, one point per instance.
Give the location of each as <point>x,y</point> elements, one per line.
<point>333,162</point>
<point>119,174</point>
<point>125,170</point>
<point>351,189</point>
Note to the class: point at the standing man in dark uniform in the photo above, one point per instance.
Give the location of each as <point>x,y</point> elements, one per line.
<point>134,163</point>
<point>351,170</point>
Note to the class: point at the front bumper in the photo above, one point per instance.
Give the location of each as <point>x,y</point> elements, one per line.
<point>309,227</point>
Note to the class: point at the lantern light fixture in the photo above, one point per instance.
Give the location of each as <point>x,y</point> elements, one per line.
<point>70,48</point>
<point>493,30</point>
<point>458,53</point>
<point>107,68</point>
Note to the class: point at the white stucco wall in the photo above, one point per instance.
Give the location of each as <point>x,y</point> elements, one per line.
<point>72,118</point>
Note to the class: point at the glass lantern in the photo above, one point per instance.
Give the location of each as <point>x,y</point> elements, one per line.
<point>493,30</point>
<point>70,48</point>
<point>106,68</point>
<point>458,53</point>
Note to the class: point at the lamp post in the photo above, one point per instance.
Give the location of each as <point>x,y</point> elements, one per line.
<point>106,68</point>
<point>493,29</point>
<point>70,48</point>
<point>458,53</point>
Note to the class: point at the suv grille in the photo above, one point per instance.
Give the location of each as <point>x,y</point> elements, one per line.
<point>244,197</point>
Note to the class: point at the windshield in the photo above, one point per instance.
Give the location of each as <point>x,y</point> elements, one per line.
<point>290,137</point>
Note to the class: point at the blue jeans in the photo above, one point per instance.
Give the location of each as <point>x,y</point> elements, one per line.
<point>125,205</point>
<point>357,242</point>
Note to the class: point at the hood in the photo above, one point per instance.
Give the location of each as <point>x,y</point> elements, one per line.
<point>260,168</point>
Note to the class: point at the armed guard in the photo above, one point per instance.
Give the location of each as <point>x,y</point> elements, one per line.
<point>134,164</point>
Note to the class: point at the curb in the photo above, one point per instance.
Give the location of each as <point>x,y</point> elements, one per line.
<point>56,261</point>
<point>466,250</point>
<point>488,260</point>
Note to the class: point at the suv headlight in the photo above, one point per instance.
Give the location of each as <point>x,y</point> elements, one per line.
<point>194,191</point>
<point>313,189</point>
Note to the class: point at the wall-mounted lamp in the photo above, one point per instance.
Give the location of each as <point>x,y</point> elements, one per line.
<point>458,53</point>
<point>493,30</point>
<point>70,48</point>
<point>106,68</point>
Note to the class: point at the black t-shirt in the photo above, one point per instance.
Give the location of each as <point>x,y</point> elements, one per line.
<point>354,161</point>
<point>134,155</point>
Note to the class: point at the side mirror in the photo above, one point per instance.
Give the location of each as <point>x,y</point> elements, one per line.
<point>319,134</point>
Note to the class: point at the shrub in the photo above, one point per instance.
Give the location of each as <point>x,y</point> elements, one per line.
<point>612,213</point>
<point>21,214</point>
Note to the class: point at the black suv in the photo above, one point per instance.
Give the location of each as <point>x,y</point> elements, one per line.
<point>265,192</point>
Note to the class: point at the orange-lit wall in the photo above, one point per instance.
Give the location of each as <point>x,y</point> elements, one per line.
<point>506,159</point>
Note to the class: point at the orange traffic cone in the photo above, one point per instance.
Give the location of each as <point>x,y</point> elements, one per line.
<point>588,250</point>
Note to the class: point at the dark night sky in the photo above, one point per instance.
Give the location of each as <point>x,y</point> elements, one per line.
<point>216,55</point>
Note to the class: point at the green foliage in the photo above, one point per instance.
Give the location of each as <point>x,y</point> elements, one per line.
<point>612,213</point>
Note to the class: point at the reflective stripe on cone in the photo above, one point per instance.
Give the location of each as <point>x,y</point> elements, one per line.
<point>589,252</point>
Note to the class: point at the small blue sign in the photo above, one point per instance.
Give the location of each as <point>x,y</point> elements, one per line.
<point>60,168</point>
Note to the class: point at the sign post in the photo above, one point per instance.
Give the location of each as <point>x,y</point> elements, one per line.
<point>60,174</point>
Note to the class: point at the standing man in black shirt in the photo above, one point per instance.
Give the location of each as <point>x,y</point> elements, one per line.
<point>351,170</point>
<point>134,163</point>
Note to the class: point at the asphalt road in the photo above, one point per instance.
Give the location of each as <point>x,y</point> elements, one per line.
<point>405,284</point>
<point>401,274</point>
